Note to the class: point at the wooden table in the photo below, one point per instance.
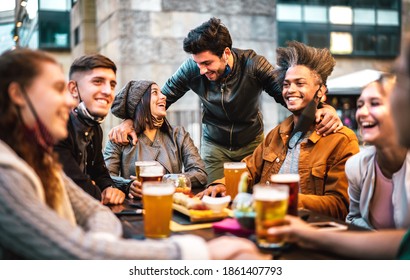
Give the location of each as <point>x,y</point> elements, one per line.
<point>133,226</point>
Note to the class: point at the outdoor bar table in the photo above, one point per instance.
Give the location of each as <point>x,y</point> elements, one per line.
<point>133,225</point>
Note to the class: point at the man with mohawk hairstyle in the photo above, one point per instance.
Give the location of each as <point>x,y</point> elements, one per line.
<point>293,147</point>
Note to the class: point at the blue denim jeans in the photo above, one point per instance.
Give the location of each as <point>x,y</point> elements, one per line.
<point>215,155</point>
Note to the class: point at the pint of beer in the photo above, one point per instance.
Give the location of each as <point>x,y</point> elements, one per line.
<point>157,200</point>
<point>292,180</point>
<point>151,173</point>
<point>232,173</point>
<point>139,164</point>
<point>271,204</point>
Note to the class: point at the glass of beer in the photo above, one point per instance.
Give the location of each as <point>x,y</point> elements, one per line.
<point>232,173</point>
<point>271,204</point>
<point>157,200</point>
<point>151,173</point>
<point>181,182</point>
<point>139,164</point>
<point>292,180</point>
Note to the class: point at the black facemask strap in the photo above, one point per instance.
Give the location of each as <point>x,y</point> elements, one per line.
<point>30,105</point>
<point>43,136</point>
<point>78,90</point>
<point>227,71</point>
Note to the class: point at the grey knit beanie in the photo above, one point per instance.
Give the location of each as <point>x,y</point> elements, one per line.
<point>128,97</point>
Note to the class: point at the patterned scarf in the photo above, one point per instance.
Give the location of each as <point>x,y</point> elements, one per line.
<point>157,122</point>
<point>85,115</point>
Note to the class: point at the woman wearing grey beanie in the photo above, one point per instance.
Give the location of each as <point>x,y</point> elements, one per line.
<point>171,146</point>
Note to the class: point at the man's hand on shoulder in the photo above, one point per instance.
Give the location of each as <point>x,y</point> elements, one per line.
<point>327,121</point>
<point>119,134</point>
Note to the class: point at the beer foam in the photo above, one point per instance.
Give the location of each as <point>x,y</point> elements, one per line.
<point>157,189</point>
<point>285,178</point>
<point>269,194</point>
<point>234,165</point>
<point>151,174</point>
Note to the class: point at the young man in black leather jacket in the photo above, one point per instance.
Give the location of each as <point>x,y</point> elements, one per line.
<point>92,83</point>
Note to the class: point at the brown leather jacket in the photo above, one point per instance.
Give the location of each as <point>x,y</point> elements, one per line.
<point>323,181</point>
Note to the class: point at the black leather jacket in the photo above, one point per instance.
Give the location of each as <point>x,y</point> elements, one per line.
<point>231,113</point>
<point>81,156</point>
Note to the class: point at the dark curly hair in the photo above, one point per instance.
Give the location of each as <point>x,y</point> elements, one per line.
<point>91,61</point>
<point>210,36</point>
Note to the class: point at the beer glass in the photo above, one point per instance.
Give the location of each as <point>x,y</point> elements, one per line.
<point>292,180</point>
<point>271,204</point>
<point>157,199</point>
<point>139,164</point>
<point>151,173</point>
<point>232,173</point>
<point>181,182</point>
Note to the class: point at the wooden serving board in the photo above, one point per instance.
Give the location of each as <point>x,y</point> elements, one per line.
<point>195,219</point>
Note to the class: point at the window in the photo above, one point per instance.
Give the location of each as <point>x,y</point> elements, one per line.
<point>315,14</point>
<point>53,5</point>
<point>54,29</point>
<point>6,33</point>
<point>340,15</point>
<point>341,43</point>
<point>369,28</point>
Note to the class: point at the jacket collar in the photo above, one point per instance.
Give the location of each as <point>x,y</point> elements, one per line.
<point>286,127</point>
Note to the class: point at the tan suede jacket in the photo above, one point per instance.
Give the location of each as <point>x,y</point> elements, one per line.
<point>323,182</point>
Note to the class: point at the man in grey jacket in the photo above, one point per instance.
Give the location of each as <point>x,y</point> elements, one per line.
<point>229,82</point>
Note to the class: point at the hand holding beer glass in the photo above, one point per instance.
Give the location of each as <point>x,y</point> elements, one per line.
<point>157,200</point>
<point>145,171</point>
<point>232,173</point>
<point>271,204</point>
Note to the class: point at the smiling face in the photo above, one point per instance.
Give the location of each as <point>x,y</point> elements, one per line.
<point>373,114</point>
<point>158,102</point>
<point>211,65</point>
<point>95,88</point>
<point>51,100</point>
<point>299,87</point>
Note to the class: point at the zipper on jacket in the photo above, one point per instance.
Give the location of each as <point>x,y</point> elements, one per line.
<point>226,114</point>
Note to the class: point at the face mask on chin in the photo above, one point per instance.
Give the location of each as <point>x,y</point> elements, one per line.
<point>86,116</point>
<point>157,122</point>
<point>39,132</point>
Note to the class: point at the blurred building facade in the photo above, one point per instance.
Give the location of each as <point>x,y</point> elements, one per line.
<point>6,29</point>
<point>44,24</point>
<point>144,37</point>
